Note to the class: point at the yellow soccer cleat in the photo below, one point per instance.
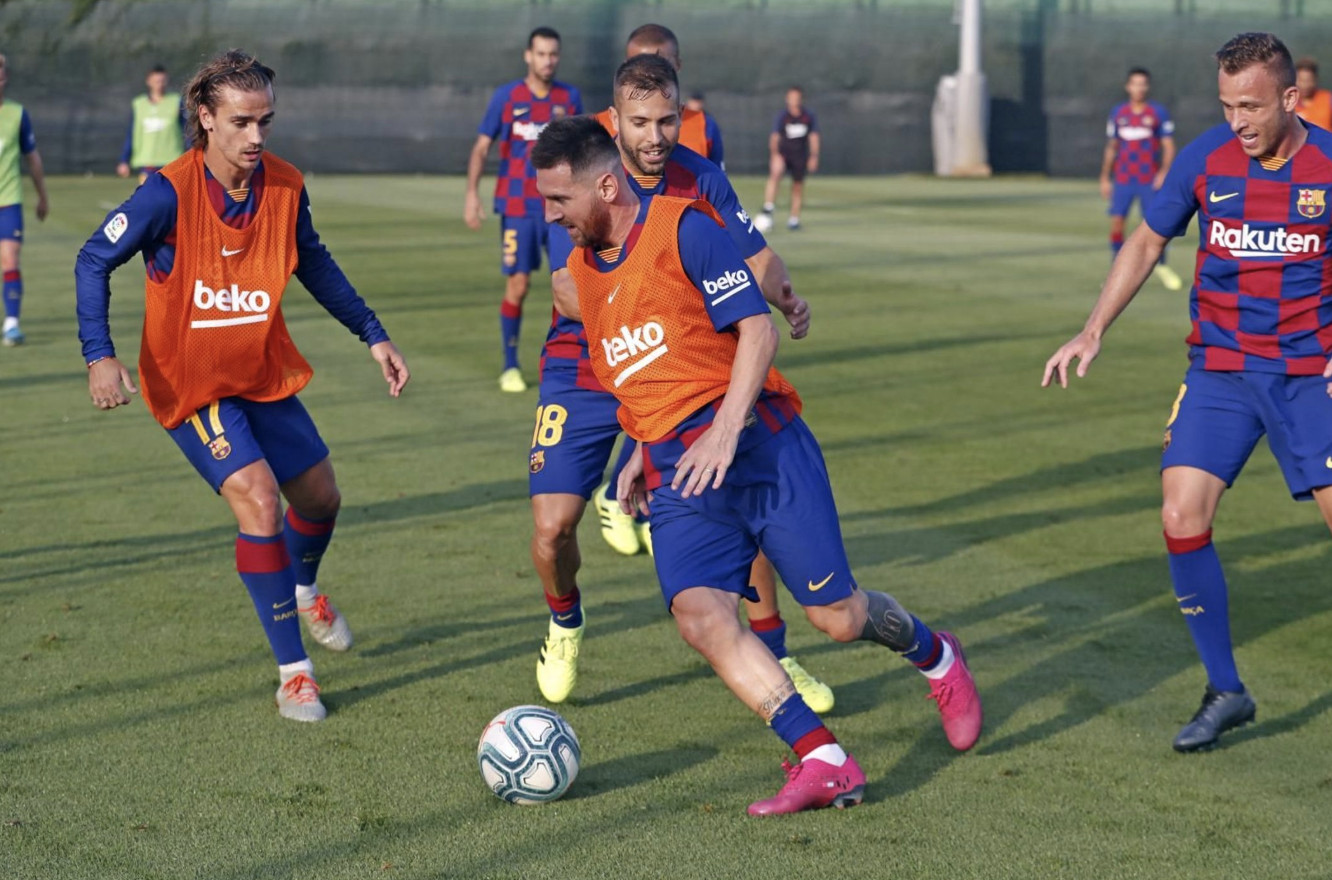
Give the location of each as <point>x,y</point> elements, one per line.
<point>645,535</point>
<point>512,380</point>
<point>617,527</point>
<point>817,695</point>
<point>1169,279</point>
<point>557,667</point>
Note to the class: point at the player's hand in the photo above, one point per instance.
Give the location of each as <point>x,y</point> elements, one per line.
<point>1327,374</point>
<point>392,363</point>
<point>706,461</point>
<point>110,384</point>
<point>472,210</point>
<point>1083,347</point>
<point>1106,188</point>
<point>795,310</point>
<point>42,207</point>
<point>123,169</point>
<point>631,487</point>
<point>812,165</point>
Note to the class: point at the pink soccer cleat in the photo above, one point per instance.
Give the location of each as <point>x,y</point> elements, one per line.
<point>959,703</point>
<point>813,785</point>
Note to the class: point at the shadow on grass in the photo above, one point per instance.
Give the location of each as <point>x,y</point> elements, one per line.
<point>607,776</point>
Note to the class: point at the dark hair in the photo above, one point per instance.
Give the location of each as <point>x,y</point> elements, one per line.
<point>158,68</point>
<point>1307,63</point>
<point>579,141</point>
<point>644,74</point>
<point>548,33</point>
<point>1245,50</point>
<point>1138,71</point>
<point>233,69</point>
<point>653,35</point>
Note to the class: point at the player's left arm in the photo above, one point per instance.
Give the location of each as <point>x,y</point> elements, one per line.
<point>707,253</point>
<point>563,291</point>
<point>28,146</point>
<point>815,143</point>
<point>764,265</point>
<point>1165,130</point>
<point>324,278</point>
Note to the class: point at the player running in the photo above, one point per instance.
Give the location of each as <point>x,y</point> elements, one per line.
<point>156,133</point>
<point>1261,306</point>
<point>576,417</point>
<point>793,148</point>
<point>222,229</point>
<point>687,346</point>
<point>516,114</point>
<point>1139,148</point>
<point>16,138</point>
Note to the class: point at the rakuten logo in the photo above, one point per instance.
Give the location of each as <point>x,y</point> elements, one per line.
<point>726,286</point>
<point>528,131</point>
<point>648,340</point>
<point>254,303</point>
<point>1249,242</point>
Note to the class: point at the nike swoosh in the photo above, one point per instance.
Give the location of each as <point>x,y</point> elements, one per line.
<point>1214,198</point>
<point>277,605</point>
<point>1186,598</point>
<point>520,111</point>
<point>228,253</point>
<point>814,588</point>
<point>610,298</point>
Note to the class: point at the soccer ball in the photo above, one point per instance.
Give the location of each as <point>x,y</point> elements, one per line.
<point>528,755</point>
<point>763,222</point>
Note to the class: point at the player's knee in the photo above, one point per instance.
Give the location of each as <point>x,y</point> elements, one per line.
<point>703,627</point>
<point>324,505</point>
<point>554,531</point>
<point>838,621</point>
<point>1182,520</point>
<point>259,511</point>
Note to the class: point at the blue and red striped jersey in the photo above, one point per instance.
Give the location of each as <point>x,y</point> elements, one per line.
<point>1262,293</point>
<point>688,175</point>
<point>1138,134</point>
<point>516,117</point>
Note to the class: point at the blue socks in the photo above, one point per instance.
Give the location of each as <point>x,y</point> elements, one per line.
<point>265,569</point>
<point>306,541</point>
<point>13,293</point>
<point>1200,590</point>
<point>511,322</point>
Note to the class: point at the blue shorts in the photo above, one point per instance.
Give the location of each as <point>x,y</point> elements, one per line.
<point>776,498</point>
<point>571,444</point>
<point>1218,418</point>
<point>11,223</point>
<point>1123,194</point>
<point>521,241</point>
<point>224,437</point>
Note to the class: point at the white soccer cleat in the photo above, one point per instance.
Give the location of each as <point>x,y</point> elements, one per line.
<point>325,624</point>
<point>298,699</point>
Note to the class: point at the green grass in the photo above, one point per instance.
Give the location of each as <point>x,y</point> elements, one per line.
<point>137,735</point>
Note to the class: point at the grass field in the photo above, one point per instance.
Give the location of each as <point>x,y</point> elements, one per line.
<point>137,734</point>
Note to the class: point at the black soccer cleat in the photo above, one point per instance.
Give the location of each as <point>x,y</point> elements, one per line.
<point>1220,711</point>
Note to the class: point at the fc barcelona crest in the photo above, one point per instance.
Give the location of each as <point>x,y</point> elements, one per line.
<point>537,461</point>
<point>220,447</point>
<point>1312,203</point>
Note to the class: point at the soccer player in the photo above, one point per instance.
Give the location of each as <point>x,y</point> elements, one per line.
<point>576,416</point>
<point>1139,148</point>
<point>698,130</point>
<point>1315,104</point>
<point>687,346</point>
<point>156,133</point>
<point>16,138</point>
<point>1261,307</point>
<point>222,229</point>
<point>516,114</point>
<point>793,147</point>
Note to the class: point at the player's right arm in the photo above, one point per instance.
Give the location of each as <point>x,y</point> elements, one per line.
<point>123,167</point>
<point>1166,218</point>
<point>1108,155</point>
<point>143,222</point>
<point>563,291</point>
<point>486,133</point>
